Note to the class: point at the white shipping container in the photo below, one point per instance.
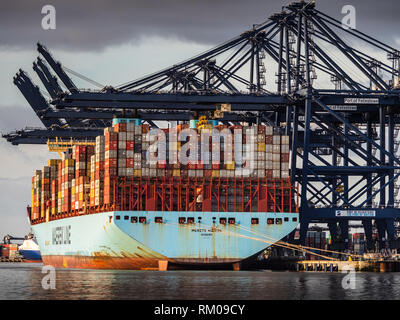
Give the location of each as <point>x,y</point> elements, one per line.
<point>191,173</point>
<point>284,174</point>
<point>121,144</point>
<point>122,172</point>
<point>121,163</point>
<point>285,148</point>
<point>121,136</point>
<point>276,174</point>
<point>285,140</point>
<point>130,127</point>
<point>269,130</point>
<point>145,172</point>
<point>276,165</point>
<point>261,173</point>
<point>284,166</point>
<point>276,148</point>
<point>276,140</point>
<point>129,172</point>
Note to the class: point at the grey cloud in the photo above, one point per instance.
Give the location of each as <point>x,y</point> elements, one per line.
<point>16,117</point>
<point>95,25</point>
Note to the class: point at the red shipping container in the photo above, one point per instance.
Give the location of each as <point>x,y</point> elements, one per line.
<point>99,174</point>
<point>80,173</point>
<point>168,173</point>
<point>99,165</point>
<point>160,165</point>
<point>111,145</point>
<point>110,136</point>
<point>268,139</point>
<point>191,166</point>
<point>129,163</point>
<point>110,163</point>
<point>89,150</point>
<point>80,149</point>
<point>110,172</point>
<point>120,127</point>
<point>284,157</point>
<point>215,166</point>
<point>130,145</point>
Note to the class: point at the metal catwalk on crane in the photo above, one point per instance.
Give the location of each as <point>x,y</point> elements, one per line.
<point>299,71</point>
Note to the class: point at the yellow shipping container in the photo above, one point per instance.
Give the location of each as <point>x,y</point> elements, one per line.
<point>137,173</point>
<point>176,173</point>
<point>215,173</point>
<point>53,211</point>
<point>92,193</point>
<point>69,162</point>
<point>261,146</point>
<point>80,196</point>
<point>230,165</point>
<point>53,162</point>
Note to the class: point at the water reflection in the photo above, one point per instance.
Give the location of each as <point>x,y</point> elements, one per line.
<point>23,281</point>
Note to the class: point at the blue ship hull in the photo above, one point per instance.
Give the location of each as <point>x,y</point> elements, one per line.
<point>151,240</point>
<point>33,255</point>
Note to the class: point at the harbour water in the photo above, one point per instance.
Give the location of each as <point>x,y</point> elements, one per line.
<point>24,281</point>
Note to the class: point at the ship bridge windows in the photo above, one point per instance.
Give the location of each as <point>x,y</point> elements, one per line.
<point>158,219</point>
<point>254,221</point>
<point>294,219</point>
<point>286,219</point>
<point>126,217</point>
<point>278,220</point>
<point>222,220</point>
<point>182,220</point>
<point>117,217</point>
<point>134,219</point>
<point>142,219</point>
<point>190,220</point>
<point>270,221</point>
<point>231,220</point>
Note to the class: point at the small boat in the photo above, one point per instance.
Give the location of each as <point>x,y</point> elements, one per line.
<point>30,250</point>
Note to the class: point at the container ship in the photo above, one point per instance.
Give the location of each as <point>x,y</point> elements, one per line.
<point>130,201</point>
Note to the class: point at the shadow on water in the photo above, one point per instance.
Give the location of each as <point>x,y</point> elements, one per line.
<point>24,281</point>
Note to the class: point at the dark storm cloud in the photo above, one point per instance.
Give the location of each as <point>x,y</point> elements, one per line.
<point>93,25</point>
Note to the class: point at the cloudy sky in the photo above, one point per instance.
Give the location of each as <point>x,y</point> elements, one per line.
<point>117,41</point>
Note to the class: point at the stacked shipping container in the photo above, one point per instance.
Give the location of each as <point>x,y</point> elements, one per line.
<point>89,175</point>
